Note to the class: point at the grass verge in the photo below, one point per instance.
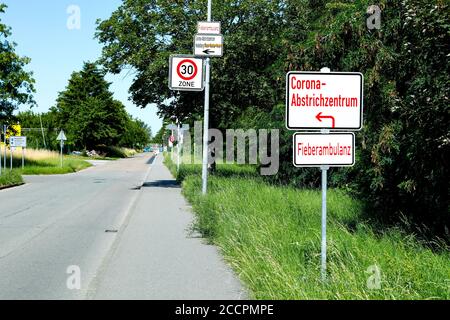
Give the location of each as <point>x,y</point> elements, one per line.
<point>44,162</point>
<point>270,235</point>
<point>10,178</point>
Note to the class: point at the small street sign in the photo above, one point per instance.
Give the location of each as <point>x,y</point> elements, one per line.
<point>61,136</point>
<point>172,139</point>
<point>186,73</point>
<point>318,100</point>
<point>208,45</point>
<point>205,27</point>
<point>317,150</point>
<point>18,142</point>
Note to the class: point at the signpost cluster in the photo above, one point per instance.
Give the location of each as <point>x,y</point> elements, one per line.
<point>326,108</point>
<point>193,73</point>
<point>179,130</point>
<point>14,143</point>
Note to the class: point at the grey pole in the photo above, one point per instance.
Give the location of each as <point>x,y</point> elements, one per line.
<point>42,131</point>
<point>4,140</point>
<point>62,143</point>
<point>206,117</point>
<point>1,158</point>
<point>11,157</point>
<point>23,158</point>
<point>323,268</point>
<point>178,145</point>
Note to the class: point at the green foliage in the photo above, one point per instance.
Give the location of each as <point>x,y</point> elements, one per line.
<point>31,127</point>
<point>87,111</point>
<point>52,166</point>
<point>136,134</point>
<point>403,152</point>
<point>10,178</point>
<point>16,84</point>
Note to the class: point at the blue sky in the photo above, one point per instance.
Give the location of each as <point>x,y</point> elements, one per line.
<point>40,30</point>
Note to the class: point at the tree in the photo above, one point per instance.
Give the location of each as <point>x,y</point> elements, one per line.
<point>136,134</point>
<point>87,111</point>
<point>16,84</point>
<point>142,34</point>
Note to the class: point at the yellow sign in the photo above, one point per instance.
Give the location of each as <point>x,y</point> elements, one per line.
<point>14,130</point>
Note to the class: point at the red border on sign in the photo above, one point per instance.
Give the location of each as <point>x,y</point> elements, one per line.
<point>195,69</point>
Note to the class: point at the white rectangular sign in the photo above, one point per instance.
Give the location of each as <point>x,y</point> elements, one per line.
<point>186,73</point>
<point>208,45</point>
<point>315,149</point>
<point>317,100</point>
<point>204,27</point>
<point>18,142</point>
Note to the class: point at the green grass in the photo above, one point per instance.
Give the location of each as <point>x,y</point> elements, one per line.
<point>50,166</point>
<point>270,235</point>
<point>10,178</point>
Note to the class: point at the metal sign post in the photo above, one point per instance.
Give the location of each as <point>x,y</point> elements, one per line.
<point>5,128</point>
<point>206,116</point>
<point>314,102</point>
<point>323,266</point>
<point>61,138</point>
<point>178,146</point>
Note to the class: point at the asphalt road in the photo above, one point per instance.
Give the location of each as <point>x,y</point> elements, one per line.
<point>124,225</point>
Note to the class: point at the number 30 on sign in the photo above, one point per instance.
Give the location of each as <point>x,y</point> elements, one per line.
<point>186,73</point>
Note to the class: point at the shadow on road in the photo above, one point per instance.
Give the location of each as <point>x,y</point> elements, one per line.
<point>161,184</point>
<point>151,160</point>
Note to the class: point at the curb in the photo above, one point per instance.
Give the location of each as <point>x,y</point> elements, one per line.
<point>12,186</point>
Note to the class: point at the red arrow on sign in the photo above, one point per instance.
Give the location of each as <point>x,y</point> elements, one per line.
<point>320,117</point>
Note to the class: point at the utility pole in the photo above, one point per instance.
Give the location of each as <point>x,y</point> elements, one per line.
<point>206,116</point>
<point>42,131</point>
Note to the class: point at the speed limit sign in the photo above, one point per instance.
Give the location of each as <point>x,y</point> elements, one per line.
<point>186,73</point>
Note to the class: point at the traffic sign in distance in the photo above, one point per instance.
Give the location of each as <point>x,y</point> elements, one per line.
<point>205,27</point>
<point>61,136</point>
<point>317,100</point>
<point>208,45</point>
<point>186,73</point>
<point>316,150</point>
<point>18,142</point>
<point>172,139</point>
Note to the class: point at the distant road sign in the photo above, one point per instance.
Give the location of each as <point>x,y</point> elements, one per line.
<point>172,139</point>
<point>204,27</point>
<point>208,45</point>
<point>18,142</point>
<point>61,136</point>
<point>317,100</point>
<point>186,73</point>
<point>316,150</point>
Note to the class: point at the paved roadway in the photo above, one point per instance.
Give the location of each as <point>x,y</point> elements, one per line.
<point>53,222</point>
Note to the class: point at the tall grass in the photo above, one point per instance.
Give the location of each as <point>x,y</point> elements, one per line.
<point>44,162</point>
<point>271,237</point>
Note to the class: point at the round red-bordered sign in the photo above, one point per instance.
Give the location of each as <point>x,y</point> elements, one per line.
<point>188,77</point>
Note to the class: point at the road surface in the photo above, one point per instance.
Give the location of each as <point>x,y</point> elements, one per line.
<point>121,230</point>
